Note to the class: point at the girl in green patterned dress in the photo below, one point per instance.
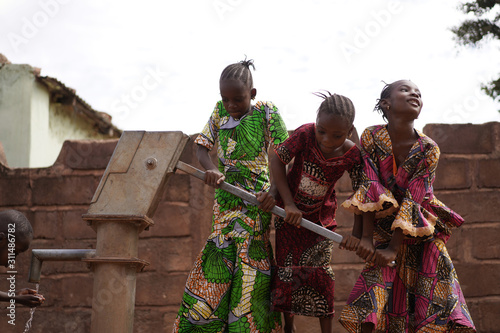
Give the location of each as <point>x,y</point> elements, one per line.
<point>228,289</point>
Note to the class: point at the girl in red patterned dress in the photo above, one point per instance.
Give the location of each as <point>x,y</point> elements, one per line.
<point>303,280</point>
<point>401,215</point>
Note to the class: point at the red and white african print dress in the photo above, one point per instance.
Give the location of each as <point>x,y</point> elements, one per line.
<point>303,281</point>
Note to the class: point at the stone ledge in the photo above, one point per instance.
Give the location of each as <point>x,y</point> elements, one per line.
<point>464,138</point>
<point>86,154</point>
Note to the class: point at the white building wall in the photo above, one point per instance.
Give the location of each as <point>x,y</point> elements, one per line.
<point>16,85</point>
<point>32,127</point>
<point>42,152</point>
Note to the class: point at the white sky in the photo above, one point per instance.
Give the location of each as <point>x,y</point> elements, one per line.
<point>155,65</point>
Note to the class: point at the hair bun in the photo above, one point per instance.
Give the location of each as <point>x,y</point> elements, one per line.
<point>248,63</point>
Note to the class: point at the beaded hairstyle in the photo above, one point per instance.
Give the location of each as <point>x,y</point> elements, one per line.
<point>239,71</point>
<point>337,105</point>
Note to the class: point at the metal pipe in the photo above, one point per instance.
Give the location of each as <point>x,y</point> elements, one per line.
<point>253,200</point>
<point>40,255</point>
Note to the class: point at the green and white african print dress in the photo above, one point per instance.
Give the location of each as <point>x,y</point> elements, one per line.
<point>228,289</point>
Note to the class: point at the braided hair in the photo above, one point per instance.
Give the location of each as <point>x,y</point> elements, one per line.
<point>386,93</point>
<point>337,105</point>
<point>239,71</point>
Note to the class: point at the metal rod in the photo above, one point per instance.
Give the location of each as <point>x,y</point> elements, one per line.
<point>40,255</point>
<point>253,200</point>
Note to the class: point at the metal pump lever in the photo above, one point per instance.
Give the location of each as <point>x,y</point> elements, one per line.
<point>252,199</point>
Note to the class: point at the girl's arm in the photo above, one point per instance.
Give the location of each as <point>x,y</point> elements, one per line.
<point>213,176</point>
<point>278,170</point>
<point>27,297</point>
<point>351,242</point>
<point>273,190</point>
<point>357,227</point>
<point>385,256</point>
<point>267,199</point>
<point>366,249</point>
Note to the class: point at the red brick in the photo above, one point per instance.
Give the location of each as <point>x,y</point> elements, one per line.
<point>459,244</point>
<point>463,138</point>
<point>166,255</point>
<point>159,289</point>
<point>189,153</point>
<point>169,315</point>
<point>485,243</point>
<point>345,278</point>
<point>149,320</point>
<point>177,188</point>
<point>201,212</point>
<point>453,173</point>
<point>64,190</point>
<point>489,173</point>
<point>45,319</point>
<point>340,257</point>
<point>169,318</point>
<point>15,191</point>
<point>305,324</point>
<point>344,184</point>
<point>478,279</point>
<point>74,227</point>
<point>78,243</point>
<point>170,219</point>
<point>76,320</point>
<point>344,218</point>
<point>45,224</point>
<point>86,154</point>
<point>481,206</point>
<point>201,195</point>
<point>484,313</point>
<point>77,290</point>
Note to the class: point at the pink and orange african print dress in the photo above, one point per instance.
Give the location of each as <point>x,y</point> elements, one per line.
<point>422,293</point>
<point>303,281</point>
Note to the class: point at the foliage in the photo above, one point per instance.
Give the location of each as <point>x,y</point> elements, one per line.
<point>484,27</point>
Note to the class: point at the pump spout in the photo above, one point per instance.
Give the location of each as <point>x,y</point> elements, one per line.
<point>40,255</point>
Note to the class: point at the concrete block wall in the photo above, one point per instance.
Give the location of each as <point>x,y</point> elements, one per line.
<point>468,180</point>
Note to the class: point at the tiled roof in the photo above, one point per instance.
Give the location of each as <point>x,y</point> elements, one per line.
<point>62,94</point>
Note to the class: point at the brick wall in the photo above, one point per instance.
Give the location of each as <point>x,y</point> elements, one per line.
<point>468,180</point>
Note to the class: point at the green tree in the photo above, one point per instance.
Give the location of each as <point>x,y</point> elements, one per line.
<point>484,27</point>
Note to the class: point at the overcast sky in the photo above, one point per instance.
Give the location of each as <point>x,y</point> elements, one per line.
<point>155,65</point>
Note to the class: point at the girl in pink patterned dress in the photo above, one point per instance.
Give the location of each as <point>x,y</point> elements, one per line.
<point>407,224</point>
<point>304,280</point>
